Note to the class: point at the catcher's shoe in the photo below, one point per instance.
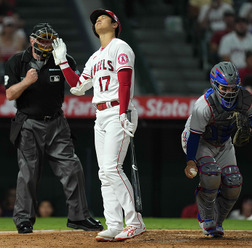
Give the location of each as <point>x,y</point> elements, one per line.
<point>129,232</point>
<point>208,226</point>
<point>25,227</point>
<point>107,235</point>
<point>219,232</point>
<point>88,224</point>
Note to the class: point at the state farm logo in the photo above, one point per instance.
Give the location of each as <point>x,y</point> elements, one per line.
<point>147,107</point>
<point>160,108</point>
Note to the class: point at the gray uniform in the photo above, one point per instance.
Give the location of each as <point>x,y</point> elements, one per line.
<point>52,138</point>
<point>220,179</point>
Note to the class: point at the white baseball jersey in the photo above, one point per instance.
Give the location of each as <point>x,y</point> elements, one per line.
<point>103,66</point>
<point>235,48</point>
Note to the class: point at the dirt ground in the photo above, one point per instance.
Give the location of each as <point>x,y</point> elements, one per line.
<point>152,238</point>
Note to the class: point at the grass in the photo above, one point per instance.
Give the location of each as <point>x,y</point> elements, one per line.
<point>59,223</point>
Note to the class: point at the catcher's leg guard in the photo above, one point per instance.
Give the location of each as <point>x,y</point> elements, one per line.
<point>210,179</point>
<point>229,192</point>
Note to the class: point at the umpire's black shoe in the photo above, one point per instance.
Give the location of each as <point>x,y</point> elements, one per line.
<point>25,227</point>
<point>88,224</point>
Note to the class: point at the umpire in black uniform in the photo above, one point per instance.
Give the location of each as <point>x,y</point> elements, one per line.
<point>39,128</point>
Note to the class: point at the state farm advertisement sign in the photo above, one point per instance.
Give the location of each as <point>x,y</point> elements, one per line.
<point>164,107</point>
<point>147,107</point>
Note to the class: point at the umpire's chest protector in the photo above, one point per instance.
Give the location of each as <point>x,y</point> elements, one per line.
<point>222,123</point>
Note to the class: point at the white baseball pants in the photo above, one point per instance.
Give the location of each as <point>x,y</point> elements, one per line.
<point>111,144</point>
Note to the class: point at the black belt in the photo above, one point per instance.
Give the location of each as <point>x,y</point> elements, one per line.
<point>45,117</point>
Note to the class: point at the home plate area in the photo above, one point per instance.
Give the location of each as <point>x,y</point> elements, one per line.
<point>152,238</point>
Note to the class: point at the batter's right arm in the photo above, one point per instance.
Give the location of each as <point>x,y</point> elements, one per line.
<point>78,88</point>
<point>59,51</point>
<point>82,88</point>
<point>59,54</point>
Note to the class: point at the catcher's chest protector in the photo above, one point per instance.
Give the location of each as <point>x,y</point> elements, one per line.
<point>222,123</point>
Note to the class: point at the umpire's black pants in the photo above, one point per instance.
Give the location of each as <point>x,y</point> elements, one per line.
<point>52,138</point>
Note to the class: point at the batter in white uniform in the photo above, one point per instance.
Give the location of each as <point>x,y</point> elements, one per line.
<point>110,71</point>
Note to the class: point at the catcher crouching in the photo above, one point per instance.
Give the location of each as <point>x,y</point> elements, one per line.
<point>223,110</point>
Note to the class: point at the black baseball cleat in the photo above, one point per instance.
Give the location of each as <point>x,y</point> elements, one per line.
<point>88,224</point>
<point>25,227</point>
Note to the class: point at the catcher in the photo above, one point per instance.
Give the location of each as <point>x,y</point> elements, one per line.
<point>207,140</point>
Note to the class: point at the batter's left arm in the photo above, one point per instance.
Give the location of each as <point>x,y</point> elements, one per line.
<point>124,79</point>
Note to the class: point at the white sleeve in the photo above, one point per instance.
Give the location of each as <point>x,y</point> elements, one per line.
<point>87,71</point>
<point>125,57</point>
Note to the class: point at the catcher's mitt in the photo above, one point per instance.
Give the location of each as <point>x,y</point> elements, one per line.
<point>242,134</point>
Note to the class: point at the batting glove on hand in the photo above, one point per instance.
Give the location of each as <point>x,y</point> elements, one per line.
<point>81,89</point>
<point>191,169</point>
<point>126,125</point>
<point>59,51</point>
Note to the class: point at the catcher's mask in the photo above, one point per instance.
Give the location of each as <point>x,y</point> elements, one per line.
<point>98,12</point>
<point>226,75</point>
<point>43,35</point>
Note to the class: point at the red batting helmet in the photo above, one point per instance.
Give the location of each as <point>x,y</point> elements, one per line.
<point>98,12</point>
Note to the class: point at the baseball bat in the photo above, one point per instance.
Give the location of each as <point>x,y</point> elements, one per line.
<point>134,173</point>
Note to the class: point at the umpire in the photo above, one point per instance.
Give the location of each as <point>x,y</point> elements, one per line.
<point>40,129</point>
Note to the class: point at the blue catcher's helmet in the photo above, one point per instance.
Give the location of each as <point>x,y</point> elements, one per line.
<point>225,80</point>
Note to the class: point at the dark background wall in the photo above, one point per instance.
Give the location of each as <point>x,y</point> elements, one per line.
<point>161,162</point>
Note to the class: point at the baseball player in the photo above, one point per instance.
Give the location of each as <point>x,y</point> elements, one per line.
<point>207,142</point>
<point>110,71</point>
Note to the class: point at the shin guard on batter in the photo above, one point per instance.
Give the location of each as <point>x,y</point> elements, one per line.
<point>210,179</point>
<point>229,192</point>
